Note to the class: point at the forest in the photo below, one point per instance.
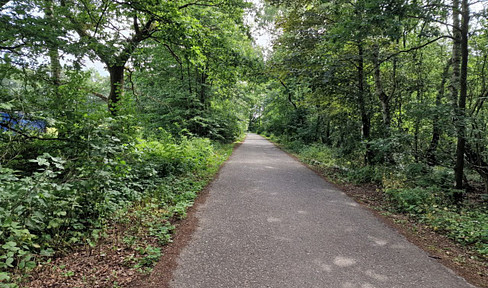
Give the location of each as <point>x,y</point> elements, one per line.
<point>388,93</point>
<point>384,92</point>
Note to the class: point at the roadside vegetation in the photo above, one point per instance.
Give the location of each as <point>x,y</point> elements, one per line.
<point>96,169</point>
<point>391,94</point>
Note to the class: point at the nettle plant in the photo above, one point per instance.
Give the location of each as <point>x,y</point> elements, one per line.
<point>33,212</point>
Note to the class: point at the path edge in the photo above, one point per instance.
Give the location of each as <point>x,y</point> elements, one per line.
<point>162,273</point>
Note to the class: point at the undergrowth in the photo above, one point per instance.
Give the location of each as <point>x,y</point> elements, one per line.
<point>67,199</point>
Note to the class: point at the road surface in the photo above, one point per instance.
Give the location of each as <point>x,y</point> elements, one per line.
<point>271,222</point>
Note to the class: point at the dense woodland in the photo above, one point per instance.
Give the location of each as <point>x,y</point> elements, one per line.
<point>389,92</point>
<point>82,153</point>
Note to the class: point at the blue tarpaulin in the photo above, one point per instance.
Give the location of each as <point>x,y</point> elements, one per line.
<point>19,121</point>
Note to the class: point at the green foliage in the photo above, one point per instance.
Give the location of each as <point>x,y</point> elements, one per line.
<point>150,256</point>
<point>412,200</point>
<point>468,227</point>
<point>61,203</point>
<point>366,174</point>
<point>61,188</point>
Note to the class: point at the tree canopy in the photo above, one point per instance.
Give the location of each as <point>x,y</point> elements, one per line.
<point>394,90</point>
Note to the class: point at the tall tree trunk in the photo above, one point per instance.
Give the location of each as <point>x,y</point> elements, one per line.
<point>456,67</point>
<point>203,89</point>
<point>380,92</point>
<point>116,87</point>
<point>318,124</point>
<point>365,122</point>
<point>327,132</point>
<point>53,47</point>
<point>55,66</point>
<point>189,76</point>
<point>436,129</point>
<point>419,95</point>
<point>463,89</point>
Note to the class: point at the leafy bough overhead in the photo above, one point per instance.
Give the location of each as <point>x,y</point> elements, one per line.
<point>114,30</point>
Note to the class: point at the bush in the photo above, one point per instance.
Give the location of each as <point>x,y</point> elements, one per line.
<point>465,227</point>
<point>411,200</point>
<point>366,174</point>
<point>78,191</point>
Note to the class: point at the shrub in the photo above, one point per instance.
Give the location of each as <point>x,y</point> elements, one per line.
<point>411,200</point>
<point>366,174</point>
<point>63,201</point>
<point>465,227</point>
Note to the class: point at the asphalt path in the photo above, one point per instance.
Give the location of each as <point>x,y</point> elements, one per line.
<point>271,222</point>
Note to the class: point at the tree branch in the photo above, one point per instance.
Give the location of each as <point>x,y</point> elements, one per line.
<point>409,50</point>
<point>432,20</point>
<point>289,94</point>
<point>12,48</point>
<point>100,19</point>
<point>131,45</point>
<point>196,3</point>
<point>100,95</point>
<point>78,27</point>
<point>177,58</point>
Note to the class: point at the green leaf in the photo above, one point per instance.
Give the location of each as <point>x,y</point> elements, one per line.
<point>9,262</point>
<point>4,276</point>
<point>6,106</point>
<point>47,252</point>
<point>30,264</point>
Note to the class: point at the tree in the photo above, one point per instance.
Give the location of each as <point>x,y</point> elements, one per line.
<point>113,30</point>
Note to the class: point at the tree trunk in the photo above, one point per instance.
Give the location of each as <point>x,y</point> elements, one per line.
<point>458,86</point>
<point>327,133</point>
<point>189,77</point>
<point>55,66</point>
<point>461,109</point>
<point>436,129</point>
<point>53,48</point>
<point>456,65</point>
<point>365,123</point>
<point>318,134</point>
<point>116,87</point>
<point>384,99</point>
<point>203,88</point>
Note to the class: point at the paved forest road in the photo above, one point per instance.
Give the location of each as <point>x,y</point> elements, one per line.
<point>271,222</point>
